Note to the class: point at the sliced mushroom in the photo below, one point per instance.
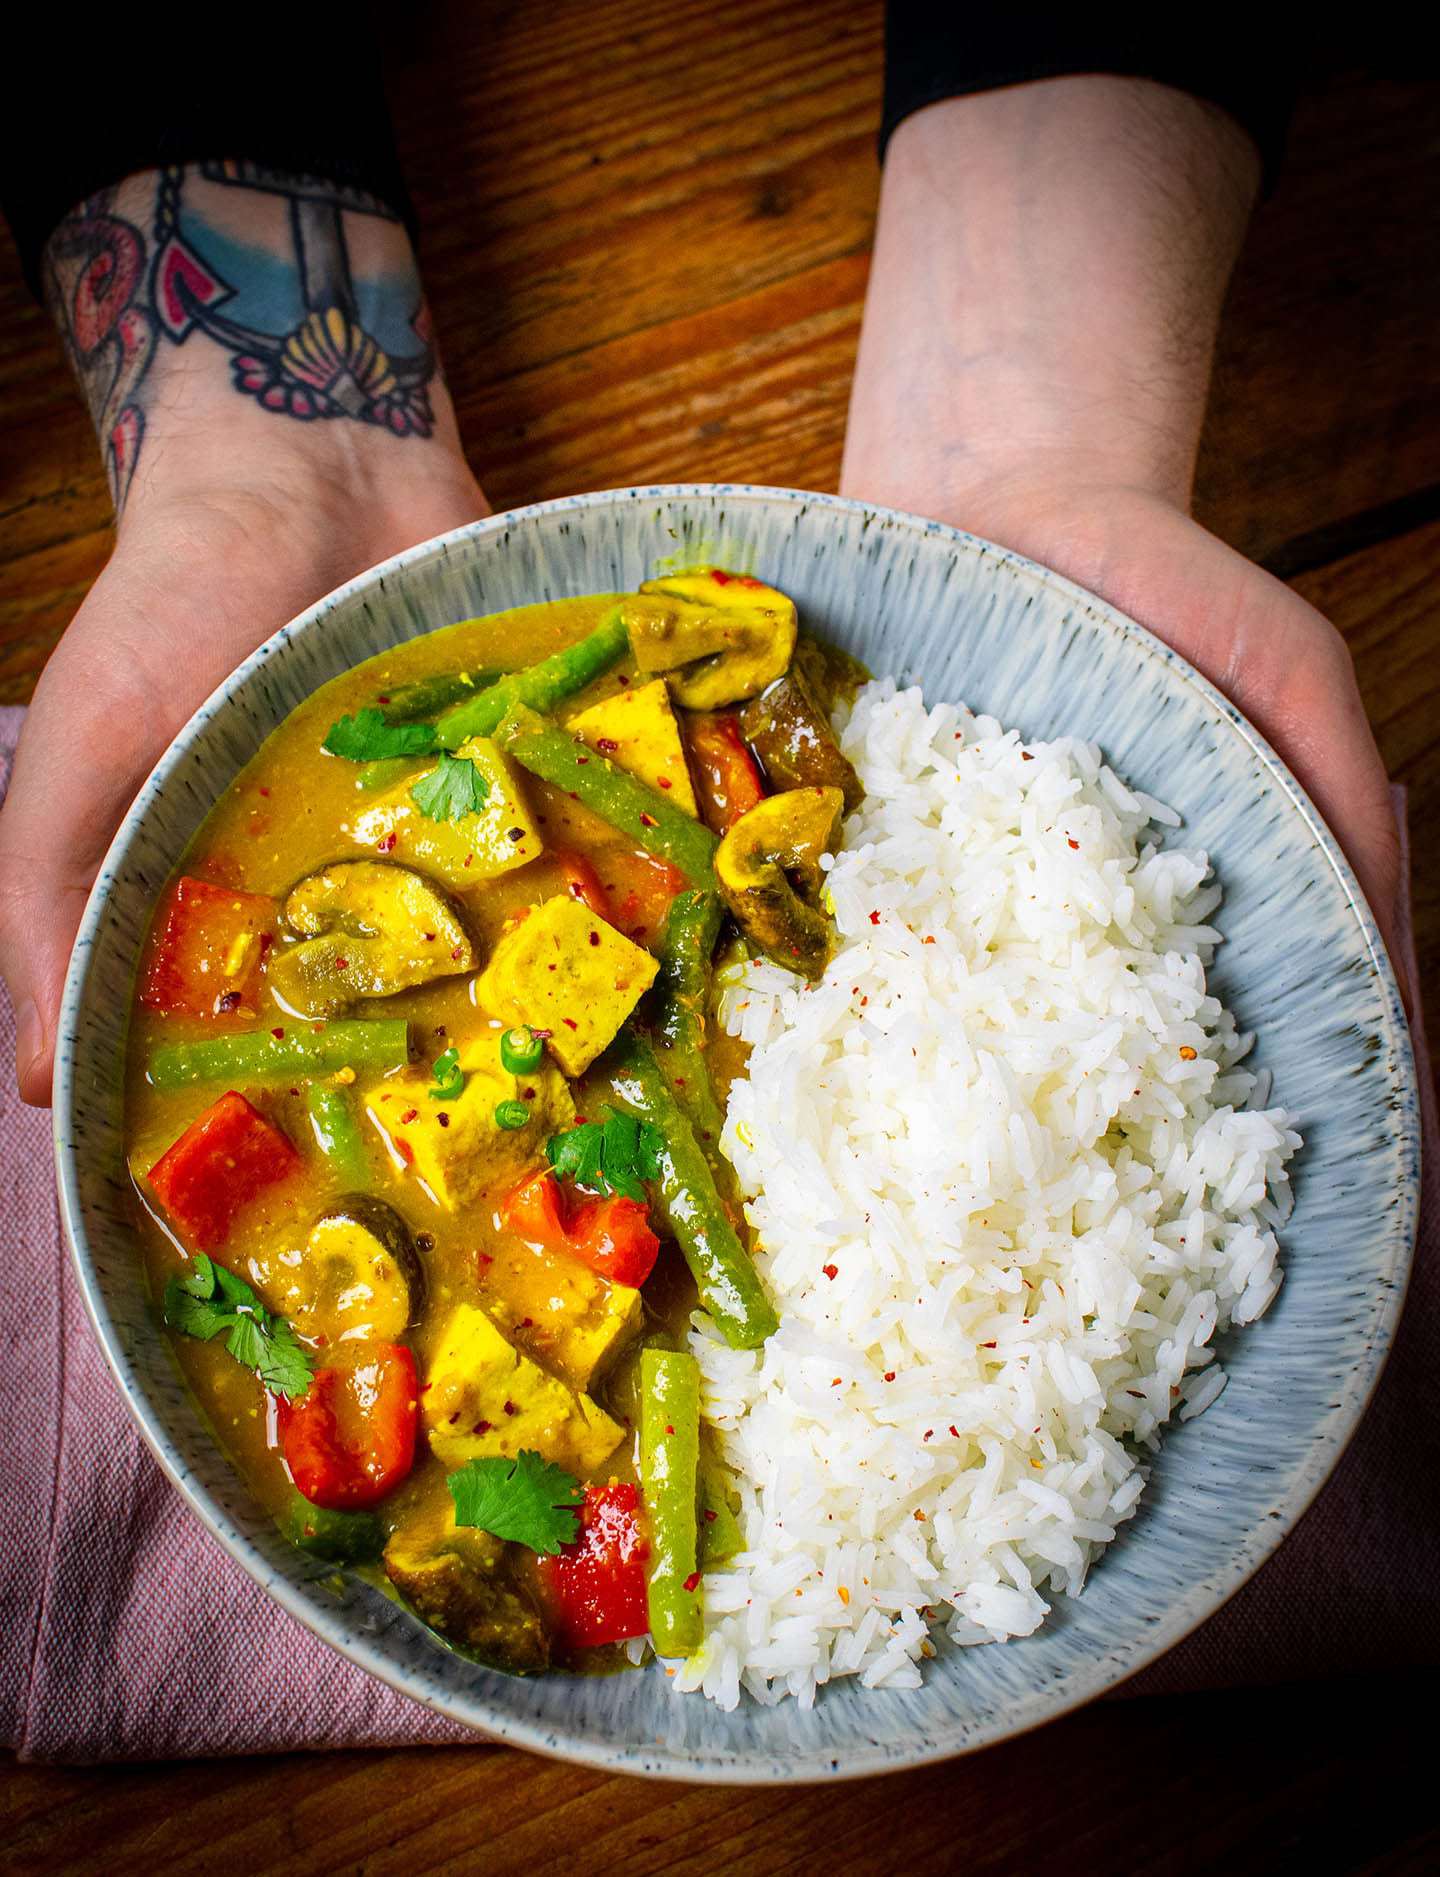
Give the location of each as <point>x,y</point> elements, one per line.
<point>790,733</point>
<point>466,1588</point>
<point>359,1276</point>
<point>370,929</point>
<point>768,869</point>
<point>717,637</point>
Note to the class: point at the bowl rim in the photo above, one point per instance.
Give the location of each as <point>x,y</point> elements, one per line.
<point>710,1766</point>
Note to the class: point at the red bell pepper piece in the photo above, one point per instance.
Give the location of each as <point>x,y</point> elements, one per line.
<point>727,780</point>
<point>595,1588</point>
<point>206,951</point>
<point>350,1439</point>
<point>611,1235</point>
<point>583,883</point>
<point>221,1161</point>
<point>641,887</point>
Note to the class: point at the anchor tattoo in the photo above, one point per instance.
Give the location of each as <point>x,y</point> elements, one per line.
<point>120,296</point>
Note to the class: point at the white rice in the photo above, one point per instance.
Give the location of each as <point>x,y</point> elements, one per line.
<point>1007,1189</point>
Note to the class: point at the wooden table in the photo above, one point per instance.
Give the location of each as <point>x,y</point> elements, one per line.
<point>646,228</point>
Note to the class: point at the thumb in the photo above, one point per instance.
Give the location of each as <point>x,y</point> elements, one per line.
<point>39,915</point>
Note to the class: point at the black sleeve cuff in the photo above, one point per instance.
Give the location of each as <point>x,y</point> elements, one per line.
<point>933,53</point>
<point>119,108</point>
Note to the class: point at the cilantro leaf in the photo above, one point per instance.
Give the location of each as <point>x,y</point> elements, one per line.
<point>453,789</point>
<point>613,1156</point>
<point>369,737</point>
<point>525,1499</point>
<point>211,1301</point>
<point>449,1076</point>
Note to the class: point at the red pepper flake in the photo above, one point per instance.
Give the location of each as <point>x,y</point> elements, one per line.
<point>527,1323</point>
<point>987,1345</point>
<point>621,678</point>
<point>832,1271</point>
<point>709,1516</point>
<point>406,1152</point>
<point>863,1002</point>
<point>1026,757</point>
<point>669,1430</point>
<point>927,941</point>
<point>278,1033</point>
<point>1187,1052</point>
<point>342,964</point>
<point>570,1023</point>
<point>468,859</point>
<point>527,1094</point>
<point>510,1408</point>
<point>955,1430</point>
<point>1070,843</point>
<point>664,782</point>
<point>594,938</point>
<point>382,700</point>
<point>429,937</point>
<point>692,1580</point>
<point>648,821</point>
<point>874,918</point>
<point>606,745</point>
<point>514,834</point>
<point>408,1116</point>
<point>481,1427</point>
<point>929,1433</point>
<point>459,952</point>
<point>442,1119</point>
<point>387,845</point>
<point>485,1258</point>
<point>889,1375</point>
<point>582,760</point>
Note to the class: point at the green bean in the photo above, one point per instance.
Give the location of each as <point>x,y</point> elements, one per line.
<point>688,1203</point>
<point>677,1005</point>
<point>720,1534</point>
<point>627,803</point>
<point>540,687</point>
<point>426,696</point>
<point>386,770</point>
<point>301,1049</point>
<point>338,1537</point>
<point>669,1459</point>
<point>337,1134</point>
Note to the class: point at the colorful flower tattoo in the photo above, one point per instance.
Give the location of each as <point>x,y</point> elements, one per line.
<point>305,348</point>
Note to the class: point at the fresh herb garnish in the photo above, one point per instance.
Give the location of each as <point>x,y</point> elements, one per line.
<point>453,789</point>
<point>211,1301</point>
<point>613,1156</point>
<point>526,1500</point>
<point>449,1076</point>
<point>369,737</point>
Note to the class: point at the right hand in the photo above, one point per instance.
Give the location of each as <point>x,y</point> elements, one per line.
<point>197,580</point>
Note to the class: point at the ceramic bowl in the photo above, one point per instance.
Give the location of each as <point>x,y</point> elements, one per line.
<point>1302,965</point>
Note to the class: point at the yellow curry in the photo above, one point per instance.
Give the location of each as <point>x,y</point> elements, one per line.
<point>425,1098</point>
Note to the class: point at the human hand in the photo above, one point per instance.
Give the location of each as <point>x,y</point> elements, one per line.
<point>1049,268</point>
<point>233,519</point>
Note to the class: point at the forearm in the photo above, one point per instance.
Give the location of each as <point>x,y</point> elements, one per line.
<point>1049,268</point>
<point>228,327</point>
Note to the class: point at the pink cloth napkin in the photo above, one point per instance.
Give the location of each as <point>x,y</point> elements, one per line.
<point>126,1633</point>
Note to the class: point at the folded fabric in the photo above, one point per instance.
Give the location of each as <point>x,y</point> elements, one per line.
<point>127,1633</point>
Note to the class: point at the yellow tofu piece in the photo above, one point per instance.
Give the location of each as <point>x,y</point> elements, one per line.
<point>575,1320</point>
<point>564,970</point>
<point>498,838</point>
<point>483,1397</point>
<point>638,731</point>
<point>462,1157</point>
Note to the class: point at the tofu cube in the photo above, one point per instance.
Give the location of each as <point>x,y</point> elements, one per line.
<point>483,1397</point>
<point>574,1320</point>
<point>464,1155</point>
<point>496,839</point>
<point>637,730</point>
<point>564,970</point>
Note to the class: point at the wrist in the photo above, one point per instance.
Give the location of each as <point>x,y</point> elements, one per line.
<point>1049,266</point>
<point>227,322</point>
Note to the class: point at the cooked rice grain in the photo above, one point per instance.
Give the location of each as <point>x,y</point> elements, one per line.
<point>1011,1120</point>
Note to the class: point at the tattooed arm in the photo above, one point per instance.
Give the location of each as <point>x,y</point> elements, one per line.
<point>256,354</point>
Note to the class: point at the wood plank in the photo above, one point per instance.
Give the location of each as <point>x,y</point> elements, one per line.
<point>1180,1784</point>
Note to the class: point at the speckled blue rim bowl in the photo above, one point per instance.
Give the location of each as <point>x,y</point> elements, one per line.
<point>1303,965</point>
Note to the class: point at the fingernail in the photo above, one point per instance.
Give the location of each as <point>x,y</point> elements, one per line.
<point>29,1037</point>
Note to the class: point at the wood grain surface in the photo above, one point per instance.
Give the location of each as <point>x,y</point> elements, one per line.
<point>645,231</point>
